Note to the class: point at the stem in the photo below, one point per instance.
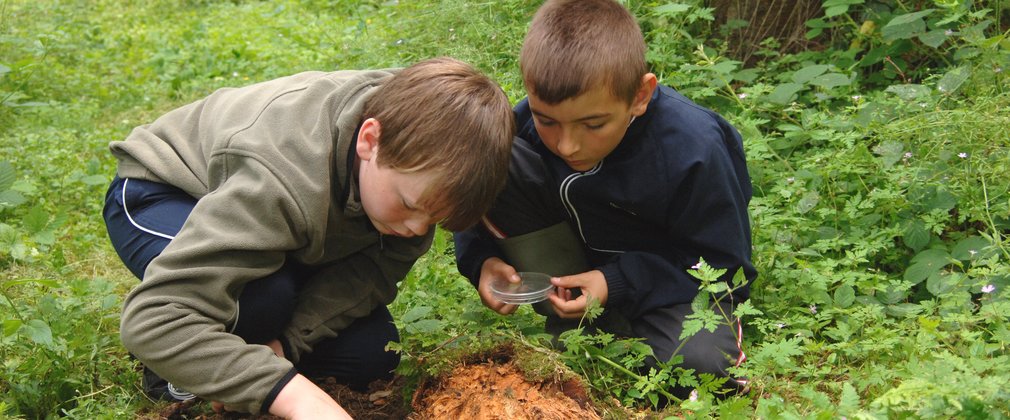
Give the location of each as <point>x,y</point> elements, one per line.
<point>635,375</point>
<point>997,236</point>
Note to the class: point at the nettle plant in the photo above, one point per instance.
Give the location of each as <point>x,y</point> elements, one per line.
<point>616,366</point>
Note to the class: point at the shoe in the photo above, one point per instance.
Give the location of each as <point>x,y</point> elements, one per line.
<point>160,389</point>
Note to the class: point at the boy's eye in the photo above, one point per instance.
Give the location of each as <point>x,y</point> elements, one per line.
<point>595,126</point>
<point>406,206</point>
<point>546,123</point>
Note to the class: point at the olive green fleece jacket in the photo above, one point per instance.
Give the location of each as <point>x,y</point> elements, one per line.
<point>268,164</point>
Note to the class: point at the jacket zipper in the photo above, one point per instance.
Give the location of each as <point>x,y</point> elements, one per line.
<point>574,214</point>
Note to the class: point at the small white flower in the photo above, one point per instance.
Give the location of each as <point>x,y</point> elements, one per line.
<point>962,155</point>
<point>234,74</point>
<point>856,97</point>
<point>948,32</point>
<point>908,155</point>
<point>399,42</point>
<point>813,309</point>
<point>790,180</point>
<point>742,95</point>
<point>997,70</point>
<point>988,288</point>
<point>940,88</point>
<point>694,395</point>
<point>972,252</point>
<point>696,266</point>
<point>780,325</point>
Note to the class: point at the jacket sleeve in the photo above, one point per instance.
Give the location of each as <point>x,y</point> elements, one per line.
<point>473,247</point>
<point>351,288</point>
<point>707,218</point>
<point>176,320</point>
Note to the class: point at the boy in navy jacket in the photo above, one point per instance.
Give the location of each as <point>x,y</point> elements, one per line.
<point>617,187</point>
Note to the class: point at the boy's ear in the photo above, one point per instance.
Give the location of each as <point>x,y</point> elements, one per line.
<point>368,139</point>
<point>644,94</point>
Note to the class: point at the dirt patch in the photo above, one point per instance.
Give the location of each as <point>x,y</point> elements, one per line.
<point>496,388</point>
<point>485,386</point>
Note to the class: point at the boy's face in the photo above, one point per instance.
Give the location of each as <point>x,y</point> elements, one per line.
<point>585,129</point>
<point>390,197</point>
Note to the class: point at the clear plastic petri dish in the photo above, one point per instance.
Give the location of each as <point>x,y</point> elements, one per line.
<point>532,288</point>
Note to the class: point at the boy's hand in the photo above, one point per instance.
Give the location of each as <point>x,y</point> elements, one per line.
<point>493,268</point>
<point>592,284</point>
<point>302,399</point>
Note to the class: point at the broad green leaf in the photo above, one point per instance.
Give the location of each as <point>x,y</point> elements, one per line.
<point>809,72</point>
<point>953,79</point>
<point>972,248</point>
<point>38,331</point>
<point>908,92</point>
<point>836,10</point>
<point>940,283</point>
<point>905,26</point>
<point>415,314</point>
<point>808,202</point>
<point>941,199</point>
<point>11,198</point>
<point>892,295</point>
<point>724,67</point>
<point>845,296</point>
<point>903,310</point>
<point>671,9</point>
<point>920,271</point>
<point>916,236</point>
<point>11,326</point>
<point>831,80</point>
<point>833,3</point>
<point>890,152</point>
<point>934,38</point>
<point>425,326</point>
<point>933,254</point>
<point>784,93</point>
<point>7,175</point>
<point>36,219</point>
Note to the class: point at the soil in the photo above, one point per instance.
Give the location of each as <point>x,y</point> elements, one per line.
<point>500,390</point>
<point>482,387</point>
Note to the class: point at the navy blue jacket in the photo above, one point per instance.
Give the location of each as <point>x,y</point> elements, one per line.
<point>676,188</point>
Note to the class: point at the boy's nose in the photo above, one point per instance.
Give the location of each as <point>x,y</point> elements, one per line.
<point>567,146</point>
<point>416,227</point>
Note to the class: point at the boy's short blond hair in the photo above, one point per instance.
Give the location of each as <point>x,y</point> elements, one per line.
<point>575,45</point>
<point>445,116</point>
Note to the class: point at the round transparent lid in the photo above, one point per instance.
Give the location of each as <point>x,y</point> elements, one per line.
<point>532,288</point>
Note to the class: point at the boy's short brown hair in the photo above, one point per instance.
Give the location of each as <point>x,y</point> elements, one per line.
<point>445,116</point>
<point>574,45</point>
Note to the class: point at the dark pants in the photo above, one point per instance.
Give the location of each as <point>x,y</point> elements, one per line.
<point>142,217</point>
<point>524,219</point>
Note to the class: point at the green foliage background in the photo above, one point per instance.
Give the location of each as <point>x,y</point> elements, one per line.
<point>879,161</point>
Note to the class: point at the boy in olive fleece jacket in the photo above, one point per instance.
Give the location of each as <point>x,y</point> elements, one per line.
<point>271,223</point>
